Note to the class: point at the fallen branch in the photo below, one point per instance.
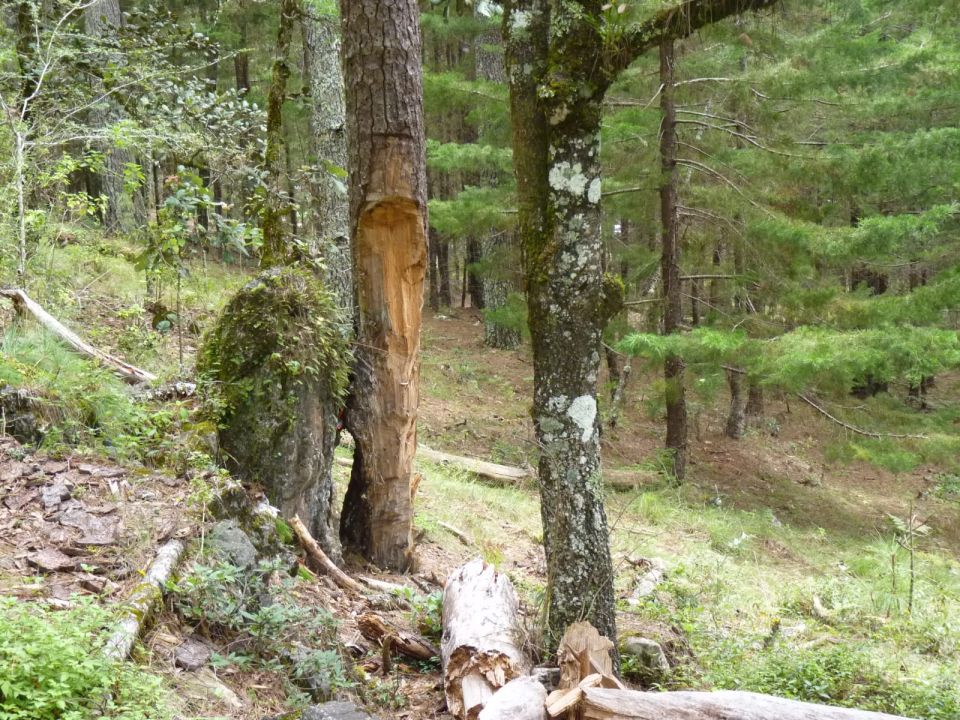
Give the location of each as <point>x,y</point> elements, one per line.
<point>320,557</point>
<point>391,639</point>
<point>492,472</point>
<point>459,534</point>
<point>608,704</point>
<point>126,371</point>
<point>142,601</point>
<point>854,428</point>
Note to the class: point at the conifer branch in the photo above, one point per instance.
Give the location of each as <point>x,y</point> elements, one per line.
<point>854,428</point>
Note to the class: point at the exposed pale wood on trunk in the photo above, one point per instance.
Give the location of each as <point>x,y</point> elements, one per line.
<point>388,225</point>
<point>413,646</point>
<point>143,600</point>
<point>320,557</point>
<point>126,371</point>
<point>520,699</point>
<point>482,647</point>
<point>604,704</point>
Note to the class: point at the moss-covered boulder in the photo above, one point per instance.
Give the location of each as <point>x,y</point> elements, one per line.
<point>275,371</point>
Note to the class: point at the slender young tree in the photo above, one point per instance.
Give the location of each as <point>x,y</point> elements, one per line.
<point>670,264</point>
<point>388,226</point>
<point>561,58</point>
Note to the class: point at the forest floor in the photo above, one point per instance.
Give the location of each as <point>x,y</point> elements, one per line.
<point>785,571</point>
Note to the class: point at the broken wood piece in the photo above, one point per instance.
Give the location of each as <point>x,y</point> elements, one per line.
<point>590,681</point>
<point>459,534</point>
<point>605,704</point>
<point>142,601</point>
<point>413,646</point>
<point>382,585</point>
<point>583,651</point>
<point>125,370</point>
<point>522,698</point>
<point>317,554</point>
<point>569,699</point>
<point>482,647</point>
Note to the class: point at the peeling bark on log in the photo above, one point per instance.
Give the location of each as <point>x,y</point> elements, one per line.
<point>522,698</point>
<point>605,704</point>
<point>374,628</point>
<point>126,371</point>
<point>142,601</point>
<point>482,646</point>
<point>320,557</point>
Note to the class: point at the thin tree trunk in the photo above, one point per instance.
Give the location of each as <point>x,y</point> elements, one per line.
<point>276,245</point>
<point>474,281</point>
<point>103,18</point>
<point>737,419</point>
<point>670,266</point>
<point>443,267</point>
<point>388,222</point>
<point>434,270</point>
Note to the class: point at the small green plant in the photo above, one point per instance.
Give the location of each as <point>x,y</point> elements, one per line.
<point>52,668</point>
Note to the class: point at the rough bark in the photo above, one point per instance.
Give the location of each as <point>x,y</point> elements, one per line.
<point>443,268</point>
<point>559,64</point>
<point>754,407</point>
<point>388,226</point>
<point>737,418</point>
<point>475,282</point>
<point>276,240</point>
<point>103,18</point>
<point>321,37</point>
<point>608,704</point>
<point>673,366</point>
<point>278,364</point>
<point>556,157</point>
<point>482,646</point>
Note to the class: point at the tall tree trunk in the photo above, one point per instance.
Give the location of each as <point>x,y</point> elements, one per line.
<point>276,245</point>
<point>241,61</point>
<point>498,247</point>
<point>102,18</point>
<point>321,38</point>
<point>388,224</point>
<point>434,259</point>
<point>557,164</point>
<point>560,62</point>
<point>670,265</point>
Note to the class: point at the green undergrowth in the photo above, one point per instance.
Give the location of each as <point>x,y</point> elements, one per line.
<point>52,667</point>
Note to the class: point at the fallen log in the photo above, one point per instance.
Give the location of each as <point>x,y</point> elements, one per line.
<point>317,554</point>
<point>390,638</point>
<point>605,704</point>
<point>482,648</point>
<point>142,601</point>
<point>125,370</point>
<point>493,472</point>
<point>522,698</point>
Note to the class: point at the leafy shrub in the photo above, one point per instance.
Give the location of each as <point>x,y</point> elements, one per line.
<point>52,667</point>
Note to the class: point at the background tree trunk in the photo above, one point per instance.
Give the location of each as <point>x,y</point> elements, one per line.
<point>103,18</point>
<point>737,419</point>
<point>321,38</point>
<point>388,224</point>
<point>670,266</point>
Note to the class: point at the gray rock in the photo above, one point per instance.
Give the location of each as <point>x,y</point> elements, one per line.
<point>650,656</point>
<point>229,542</point>
<point>336,711</point>
<point>191,655</point>
<point>53,495</point>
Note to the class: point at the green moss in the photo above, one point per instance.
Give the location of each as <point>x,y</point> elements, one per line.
<point>276,335</point>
